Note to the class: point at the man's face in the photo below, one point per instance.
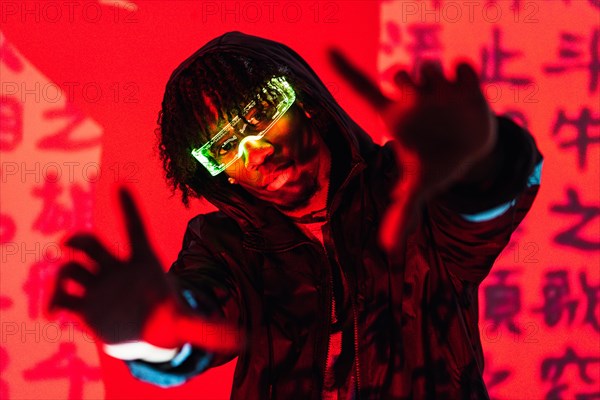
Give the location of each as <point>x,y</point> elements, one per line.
<point>283,166</point>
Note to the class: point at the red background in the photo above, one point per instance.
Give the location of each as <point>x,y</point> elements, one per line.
<point>143,47</point>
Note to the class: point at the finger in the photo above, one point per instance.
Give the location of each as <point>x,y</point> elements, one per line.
<point>91,246</point>
<point>407,88</point>
<point>403,80</point>
<point>361,82</point>
<point>400,214</point>
<point>431,74</point>
<point>76,272</point>
<point>63,300</point>
<point>135,226</point>
<point>398,220</point>
<point>466,76</point>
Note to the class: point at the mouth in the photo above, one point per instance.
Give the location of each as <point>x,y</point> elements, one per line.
<point>281,176</point>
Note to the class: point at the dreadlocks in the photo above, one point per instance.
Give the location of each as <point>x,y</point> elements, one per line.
<point>221,81</point>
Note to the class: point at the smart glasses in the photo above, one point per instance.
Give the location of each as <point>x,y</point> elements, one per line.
<point>252,123</point>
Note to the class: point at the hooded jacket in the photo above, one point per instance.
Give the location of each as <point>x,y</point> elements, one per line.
<point>410,322</point>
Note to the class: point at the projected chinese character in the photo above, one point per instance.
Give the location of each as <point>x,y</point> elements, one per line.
<point>582,139</point>
<point>557,298</point>
<point>55,216</point>
<point>573,237</point>
<point>11,123</point>
<point>64,138</point>
<point>65,364</point>
<point>493,62</point>
<point>592,295</point>
<point>502,301</point>
<point>572,57</point>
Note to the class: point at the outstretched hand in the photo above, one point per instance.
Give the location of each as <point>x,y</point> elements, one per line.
<point>442,128</point>
<point>132,299</point>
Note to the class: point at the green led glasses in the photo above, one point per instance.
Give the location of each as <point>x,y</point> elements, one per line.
<point>255,120</point>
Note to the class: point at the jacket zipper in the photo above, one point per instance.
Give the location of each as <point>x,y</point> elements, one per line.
<point>356,358</point>
<point>352,302</point>
<point>330,308</point>
<point>327,371</point>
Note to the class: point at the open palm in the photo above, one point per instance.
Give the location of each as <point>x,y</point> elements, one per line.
<point>131,299</point>
<point>442,128</point>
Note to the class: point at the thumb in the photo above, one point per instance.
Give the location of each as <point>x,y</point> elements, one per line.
<point>400,216</point>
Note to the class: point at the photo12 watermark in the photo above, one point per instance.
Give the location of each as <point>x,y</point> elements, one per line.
<point>66,172</point>
<point>72,91</point>
<point>69,11</point>
<point>291,12</point>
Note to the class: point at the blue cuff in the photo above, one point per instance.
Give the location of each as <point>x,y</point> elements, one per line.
<point>159,374</point>
<point>533,180</point>
<point>187,363</point>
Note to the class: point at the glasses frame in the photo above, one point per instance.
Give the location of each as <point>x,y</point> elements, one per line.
<point>285,101</point>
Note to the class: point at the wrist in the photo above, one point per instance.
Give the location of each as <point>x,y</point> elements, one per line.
<point>486,169</point>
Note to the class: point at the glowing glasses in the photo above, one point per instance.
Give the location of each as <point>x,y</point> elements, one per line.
<point>255,120</point>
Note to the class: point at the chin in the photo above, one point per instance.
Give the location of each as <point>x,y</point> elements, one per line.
<point>296,198</point>
<point>294,204</point>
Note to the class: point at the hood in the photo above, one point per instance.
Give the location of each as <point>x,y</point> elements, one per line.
<point>253,214</point>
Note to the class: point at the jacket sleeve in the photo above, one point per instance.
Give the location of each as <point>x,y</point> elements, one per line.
<point>207,285</point>
<point>471,224</point>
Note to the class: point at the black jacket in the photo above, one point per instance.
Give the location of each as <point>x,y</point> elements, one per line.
<point>412,320</point>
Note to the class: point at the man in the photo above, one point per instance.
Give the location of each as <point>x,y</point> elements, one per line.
<point>349,270</point>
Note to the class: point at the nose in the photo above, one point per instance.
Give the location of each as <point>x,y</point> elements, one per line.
<point>256,152</point>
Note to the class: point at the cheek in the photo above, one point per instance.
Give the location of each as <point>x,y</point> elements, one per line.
<point>241,174</point>
<point>235,170</point>
<point>283,135</point>
<point>306,147</point>
<point>297,140</point>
